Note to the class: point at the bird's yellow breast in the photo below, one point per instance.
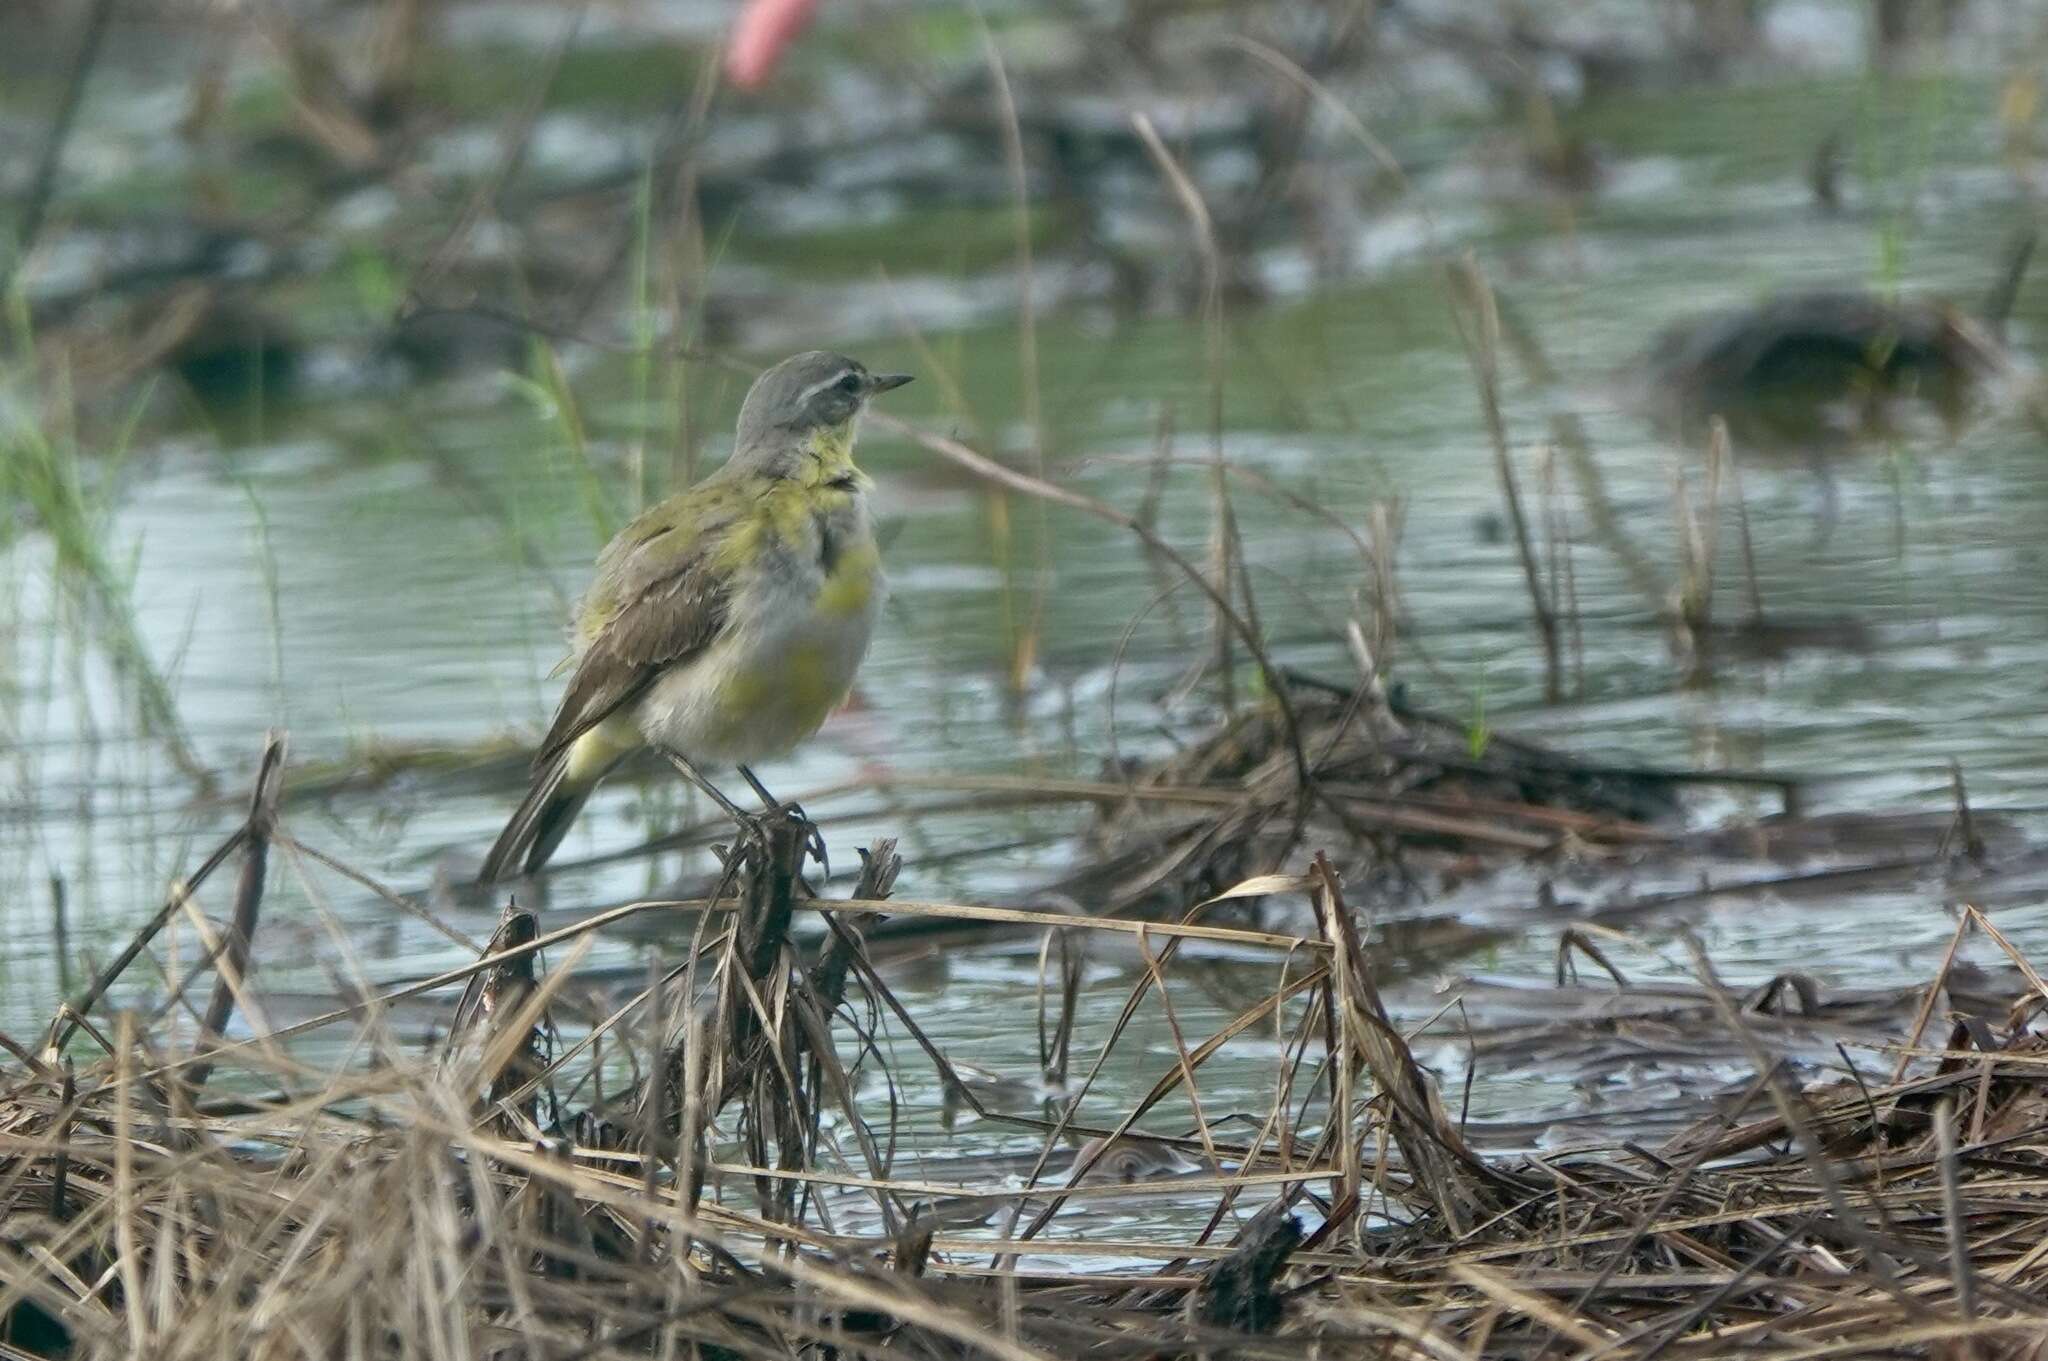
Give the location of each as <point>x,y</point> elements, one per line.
<point>791,697</point>
<point>792,683</point>
<point>849,587</point>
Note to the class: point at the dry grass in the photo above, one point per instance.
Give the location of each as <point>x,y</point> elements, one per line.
<point>480,1203</point>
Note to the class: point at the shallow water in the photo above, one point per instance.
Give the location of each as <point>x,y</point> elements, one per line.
<point>382,572</point>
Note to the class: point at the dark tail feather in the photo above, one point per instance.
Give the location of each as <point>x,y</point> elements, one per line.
<point>539,824</point>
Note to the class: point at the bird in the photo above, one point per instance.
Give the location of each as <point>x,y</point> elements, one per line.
<point>724,623</point>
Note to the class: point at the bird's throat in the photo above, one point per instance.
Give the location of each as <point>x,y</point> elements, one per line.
<point>831,451</point>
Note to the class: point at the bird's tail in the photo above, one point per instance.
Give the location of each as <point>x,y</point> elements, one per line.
<point>561,786</point>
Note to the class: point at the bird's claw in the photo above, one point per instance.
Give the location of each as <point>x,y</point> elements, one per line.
<point>814,839</point>
<point>754,832</point>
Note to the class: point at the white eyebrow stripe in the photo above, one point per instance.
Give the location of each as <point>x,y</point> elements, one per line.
<point>818,387</point>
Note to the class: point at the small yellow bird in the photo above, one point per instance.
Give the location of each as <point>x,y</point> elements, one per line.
<point>725,623</point>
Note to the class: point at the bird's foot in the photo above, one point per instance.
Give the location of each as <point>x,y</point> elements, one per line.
<point>758,831</point>
<point>762,834</point>
<point>814,840</point>
<point>792,812</point>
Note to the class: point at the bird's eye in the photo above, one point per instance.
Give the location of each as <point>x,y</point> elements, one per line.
<point>850,384</point>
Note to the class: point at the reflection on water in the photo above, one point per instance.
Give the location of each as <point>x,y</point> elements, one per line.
<point>381,578</point>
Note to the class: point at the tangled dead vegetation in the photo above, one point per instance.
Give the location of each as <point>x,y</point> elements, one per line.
<point>1404,798</point>
<point>738,1195</point>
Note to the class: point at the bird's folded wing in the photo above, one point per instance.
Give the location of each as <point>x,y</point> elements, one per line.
<point>667,621</point>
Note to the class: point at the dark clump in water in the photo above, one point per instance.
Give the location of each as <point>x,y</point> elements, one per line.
<point>1818,366</point>
<point>1804,369</point>
<point>235,352</point>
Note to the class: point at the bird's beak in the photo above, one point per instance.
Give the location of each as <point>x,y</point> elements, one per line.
<point>885,382</point>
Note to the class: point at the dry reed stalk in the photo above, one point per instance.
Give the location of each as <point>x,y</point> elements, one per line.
<point>232,961</point>
<point>1226,549</point>
<point>1698,534</point>
<point>1025,643</point>
<point>1568,433</point>
<point>1481,337</point>
<point>1753,591</point>
<point>1447,1172</point>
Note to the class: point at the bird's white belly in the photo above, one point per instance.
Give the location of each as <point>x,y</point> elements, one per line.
<point>785,663</point>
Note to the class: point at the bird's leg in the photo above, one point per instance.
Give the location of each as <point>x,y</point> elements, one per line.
<point>760,790</point>
<point>814,840</point>
<point>752,826</point>
<point>748,822</point>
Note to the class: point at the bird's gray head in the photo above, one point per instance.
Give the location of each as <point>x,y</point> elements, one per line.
<point>809,394</point>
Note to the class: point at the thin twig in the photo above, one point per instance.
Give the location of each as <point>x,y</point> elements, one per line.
<point>43,186</point>
<point>988,469</point>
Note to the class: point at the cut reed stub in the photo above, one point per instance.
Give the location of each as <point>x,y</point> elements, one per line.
<point>1241,1292</point>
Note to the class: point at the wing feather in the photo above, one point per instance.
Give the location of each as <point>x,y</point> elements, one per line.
<point>668,619</point>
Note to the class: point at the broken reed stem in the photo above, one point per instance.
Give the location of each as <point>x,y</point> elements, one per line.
<point>1952,1208</point>
<point>1935,988</point>
<point>1481,337</point>
<point>232,964</point>
<point>1221,653</point>
<point>60,930</point>
<point>72,1015</point>
<point>1697,528</point>
<point>769,897</point>
<point>1965,838</point>
<point>505,992</point>
<point>1564,581</point>
<point>1752,588</point>
<point>879,865</point>
<point>1446,1171</point>
<point>1706,531</point>
<point>1568,432</point>
<point>1340,1038</point>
